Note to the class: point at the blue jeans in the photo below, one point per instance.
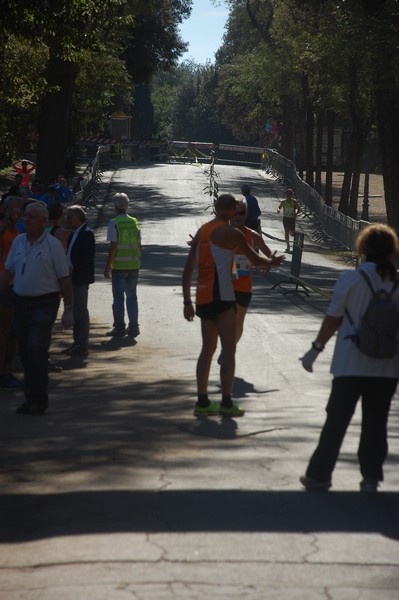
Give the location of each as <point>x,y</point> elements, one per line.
<point>124,283</point>
<point>34,320</point>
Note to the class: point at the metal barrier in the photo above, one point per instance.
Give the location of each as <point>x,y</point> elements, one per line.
<point>90,174</point>
<point>342,228</point>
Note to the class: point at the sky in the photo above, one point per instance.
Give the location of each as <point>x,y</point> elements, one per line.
<point>204,30</point>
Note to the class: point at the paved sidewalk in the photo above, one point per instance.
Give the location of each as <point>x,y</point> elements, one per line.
<point>119,493</point>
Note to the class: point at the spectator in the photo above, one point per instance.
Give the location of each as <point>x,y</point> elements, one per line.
<point>64,194</point>
<point>80,256</point>
<point>253,213</point>
<point>49,196</point>
<point>36,190</point>
<point>123,262</point>
<point>357,374</point>
<point>213,249</point>
<point>13,190</point>
<point>290,210</point>
<point>8,340</point>
<point>37,262</point>
<point>55,215</point>
<point>54,223</point>
<point>24,168</point>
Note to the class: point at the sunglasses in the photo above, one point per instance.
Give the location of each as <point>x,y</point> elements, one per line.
<point>241,213</point>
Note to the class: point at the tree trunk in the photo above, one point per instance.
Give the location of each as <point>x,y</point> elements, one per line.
<point>379,15</point>
<point>354,195</point>
<point>309,120</point>
<point>54,117</point>
<point>319,149</point>
<point>387,117</point>
<point>288,127</point>
<point>357,168</point>
<point>345,190</point>
<point>330,115</point>
<point>142,113</point>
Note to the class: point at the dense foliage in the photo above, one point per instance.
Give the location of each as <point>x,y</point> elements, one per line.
<point>285,69</point>
<point>289,68</point>
<point>65,64</point>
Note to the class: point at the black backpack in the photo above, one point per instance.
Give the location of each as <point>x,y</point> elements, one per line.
<point>376,335</point>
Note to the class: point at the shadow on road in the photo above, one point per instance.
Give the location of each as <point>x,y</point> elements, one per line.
<point>31,517</point>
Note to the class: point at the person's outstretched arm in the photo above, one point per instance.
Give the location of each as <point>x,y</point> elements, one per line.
<point>259,243</point>
<point>187,278</point>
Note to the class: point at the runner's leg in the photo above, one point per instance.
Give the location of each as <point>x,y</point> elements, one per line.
<point>226,327</point>
<point>241,311</point>
<point>209,341</point>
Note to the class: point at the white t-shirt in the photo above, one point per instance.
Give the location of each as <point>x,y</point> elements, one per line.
<point>353,293</point>
<point>37,267</point>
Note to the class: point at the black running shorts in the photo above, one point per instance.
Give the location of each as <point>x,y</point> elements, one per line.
<point>213,309</point>
<point>243,298</point>
<point>289,223</point>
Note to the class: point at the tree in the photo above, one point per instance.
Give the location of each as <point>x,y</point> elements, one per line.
<point>381,35</point>
<point>68,28</point>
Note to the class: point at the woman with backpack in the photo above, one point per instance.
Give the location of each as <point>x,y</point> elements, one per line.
<point>364,310</point>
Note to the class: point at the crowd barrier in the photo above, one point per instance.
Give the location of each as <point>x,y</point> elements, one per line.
<point>90,175</point>
<point>342,228</point>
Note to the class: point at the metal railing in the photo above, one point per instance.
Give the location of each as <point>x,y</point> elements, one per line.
<point>91,173</point>
<point>342,228</point>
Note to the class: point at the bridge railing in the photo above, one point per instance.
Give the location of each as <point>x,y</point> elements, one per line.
<point>342,228</point>
<point>91,173</point>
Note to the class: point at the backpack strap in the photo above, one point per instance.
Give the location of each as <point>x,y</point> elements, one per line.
<point>369,283</point>
<point>367,280</point>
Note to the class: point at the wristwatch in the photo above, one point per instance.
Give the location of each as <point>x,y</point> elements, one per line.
<point>318,346</point>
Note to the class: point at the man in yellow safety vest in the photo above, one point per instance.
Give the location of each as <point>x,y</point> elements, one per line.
<point>123,265</point>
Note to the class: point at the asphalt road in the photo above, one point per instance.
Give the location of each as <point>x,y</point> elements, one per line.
<point>120,493</point>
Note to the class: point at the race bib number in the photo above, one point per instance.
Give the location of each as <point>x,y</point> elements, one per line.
<point>243,265</point>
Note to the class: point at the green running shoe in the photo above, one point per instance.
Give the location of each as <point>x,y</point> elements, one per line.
<point>233,411</point>
<point>212,410</point>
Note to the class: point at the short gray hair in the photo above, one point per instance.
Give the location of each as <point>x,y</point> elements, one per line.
<point>76,210</point>
<point>121,200</point>
<point>10,199</point>
<point>39,207</point>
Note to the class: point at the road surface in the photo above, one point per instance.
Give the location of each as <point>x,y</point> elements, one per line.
<point>120,493</point>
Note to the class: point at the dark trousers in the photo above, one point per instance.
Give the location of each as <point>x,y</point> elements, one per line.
<point>34,320</point>
<point>376,394</point>
<point>81,325</point>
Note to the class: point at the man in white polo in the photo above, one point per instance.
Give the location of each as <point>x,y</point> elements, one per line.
<point>38,264</point>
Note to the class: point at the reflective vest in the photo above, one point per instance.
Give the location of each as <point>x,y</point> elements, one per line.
<point>128,245</point>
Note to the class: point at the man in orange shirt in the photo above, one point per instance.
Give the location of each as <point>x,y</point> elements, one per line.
<point>8,341</point>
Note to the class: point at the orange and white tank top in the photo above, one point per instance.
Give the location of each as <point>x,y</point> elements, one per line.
<point>215,268</point>
<point>244,268</point>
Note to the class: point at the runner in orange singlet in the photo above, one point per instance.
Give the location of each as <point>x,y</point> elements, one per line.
<point>243,284</point>
<point>213,249</point>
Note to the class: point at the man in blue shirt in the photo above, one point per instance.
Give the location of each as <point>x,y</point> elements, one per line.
<point>252,220</point>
